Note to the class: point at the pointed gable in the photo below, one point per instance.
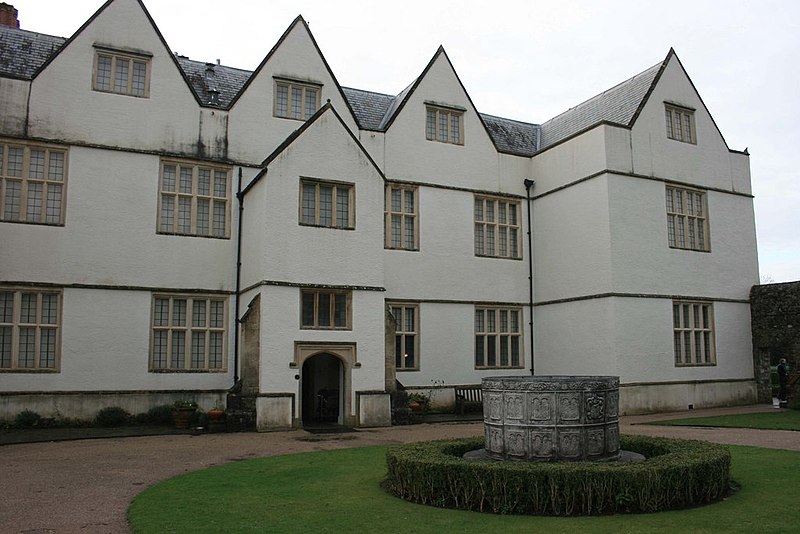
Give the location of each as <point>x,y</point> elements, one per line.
<point>261,117</point>
<point>151,108</point>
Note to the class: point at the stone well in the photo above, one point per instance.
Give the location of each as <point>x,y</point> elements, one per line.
<point>551,418</point>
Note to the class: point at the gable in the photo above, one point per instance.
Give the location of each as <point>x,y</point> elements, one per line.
<point>297,60</point>
<point>705,160</point>
<point>166,114</point>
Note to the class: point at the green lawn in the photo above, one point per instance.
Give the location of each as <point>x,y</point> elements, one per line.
<point>338,491</point>
<point>776,420</point>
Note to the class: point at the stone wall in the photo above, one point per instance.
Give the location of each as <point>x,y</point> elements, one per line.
<point>775,312</point>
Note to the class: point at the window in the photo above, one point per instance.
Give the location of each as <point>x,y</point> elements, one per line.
<point>406,336</point>
<point>121,73</point>
<point>498,338</point>
<point>32,182</point>
<point>30,330</point>
<point>401,217</point>
<point>680,124</point>
<point>325,309</point>
<point>693,333</point>
<point>496,227</point>
<point>188,333</point>
<point>327,204</point>
<point>194,200</point>
<point>687,219</point>
<point>444,125</point>
<point>294,100</point>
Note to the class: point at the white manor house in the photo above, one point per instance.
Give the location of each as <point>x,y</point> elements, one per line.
<point>170,227</point>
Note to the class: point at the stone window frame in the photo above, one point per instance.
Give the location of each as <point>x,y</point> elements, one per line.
<point>189,323</point>
<point>680,123</point>
<point>399,216</point>
<point>497,227</point>
<point>444,124</point>
<point>291,109</point>
<point>318,218</point>
<point>405,332</point>
<point>201,191</point>
<point>115,58</point>
<point>693,333</point>
<point>687,218</point>
<point>34,167</point>
<point>313,302</point>
<point>13,325</point>
<point>489,338</point>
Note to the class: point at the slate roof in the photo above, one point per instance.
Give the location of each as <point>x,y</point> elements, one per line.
<point>227,80</point>
<point>23,52</point>
<point>617,105</point>
<point>370,108</point>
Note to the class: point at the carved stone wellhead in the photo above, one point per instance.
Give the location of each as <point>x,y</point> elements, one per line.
<point>551,418</point>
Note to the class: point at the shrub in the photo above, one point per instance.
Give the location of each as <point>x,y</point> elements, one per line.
<point>676,474</point>
<point>112,416</point>
<point>27,419</point>
<point>159,415</point>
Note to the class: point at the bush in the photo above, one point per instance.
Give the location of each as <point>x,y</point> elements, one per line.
<point>27,419</point>
<point>112,416</point>
<point>159,415</point>
<point>676,474</point>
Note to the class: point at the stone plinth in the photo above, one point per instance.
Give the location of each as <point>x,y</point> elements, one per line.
<point>551,418</point>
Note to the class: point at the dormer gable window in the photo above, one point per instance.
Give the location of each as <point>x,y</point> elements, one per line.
<point>121,72</point>
<point>295,100</point>
<point>444,124</point>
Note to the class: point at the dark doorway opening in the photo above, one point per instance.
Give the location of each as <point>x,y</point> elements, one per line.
<point>321,390</point>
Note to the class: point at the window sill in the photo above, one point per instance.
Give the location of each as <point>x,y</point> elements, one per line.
<point>497,257</point>
<point>708,251</point>
<point>29,371</point>
<point>183,371</point>
<point>176,234</point>
<point>308,225</point>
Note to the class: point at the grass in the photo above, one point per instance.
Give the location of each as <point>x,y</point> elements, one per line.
<point>339,491</point>
<point>777,420</point>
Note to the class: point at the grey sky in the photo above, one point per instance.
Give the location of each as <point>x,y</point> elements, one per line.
<point>530,60</point>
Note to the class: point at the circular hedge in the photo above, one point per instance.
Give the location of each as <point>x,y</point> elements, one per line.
<point>676,474</point>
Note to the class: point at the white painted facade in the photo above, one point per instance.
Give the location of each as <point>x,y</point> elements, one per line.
<point>605,278</point>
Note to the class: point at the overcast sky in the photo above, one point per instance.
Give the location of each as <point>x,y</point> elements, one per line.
<point>531,60</point>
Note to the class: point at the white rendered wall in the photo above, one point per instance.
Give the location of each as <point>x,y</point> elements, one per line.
<point>571,242</point>
<point>105,340</point>
<point>576,338</point>
<point>409,156</point>
<point>446,267</point>
<point>569,161</point>
<point>705,164</point>
<point>447,347</point>
<point>110,238</point>
<point>167,119</point>
<point>254,133</point>
<point>643,262</point>
<point>13,105</point>
<point>280,249</point>
<point>280,329</point>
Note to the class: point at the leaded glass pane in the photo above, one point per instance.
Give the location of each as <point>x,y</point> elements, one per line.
<point>167,212</point>
<point>204,182</point>
<point>27,347</point>
<point>15,159</point>
<point>47,348</point>
<point>36,164</point>
<point>202,216</point>
<point>49,308</point>
<point>215,350</point>
<point>198,350</point>
<point>160,349</point>
<point>325,205</point>
<point>198,313</point>
<point>161,312</point>
<point>27,313</point>
<point>282,100</point>
<point>217,317</point>
<point>168,178</point>
<point>324,310</point>
<point>342,207</point>
<point>53,210</point>
<point>5,347</point>
<point>340,310</point>
<point>34,212</point>
<point>121,76</point>
<point>185,185</point>
<point>409,233</point>
<point>178,350</point>
<point>297,102</point>
<point>178,312</point>
<point>184,215</point>
<point>103,79</point>
<point>139,77</point>
<point>6,307</point>
<point>307,312</point>
<point>219,218</point>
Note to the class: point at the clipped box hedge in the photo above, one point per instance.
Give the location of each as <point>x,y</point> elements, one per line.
<point>676,474</point>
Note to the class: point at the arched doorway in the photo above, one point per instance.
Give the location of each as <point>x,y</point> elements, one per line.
<point>321,390</point>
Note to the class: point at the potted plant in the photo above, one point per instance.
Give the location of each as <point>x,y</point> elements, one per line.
<point>418,402</point>
<point>217,413</point>
<point>182,411</point>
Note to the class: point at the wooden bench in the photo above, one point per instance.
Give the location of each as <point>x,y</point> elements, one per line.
<point>471,396</point>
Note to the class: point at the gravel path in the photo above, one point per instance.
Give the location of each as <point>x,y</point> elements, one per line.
<point>86,486</point>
